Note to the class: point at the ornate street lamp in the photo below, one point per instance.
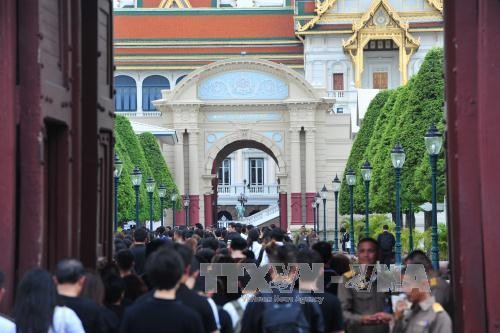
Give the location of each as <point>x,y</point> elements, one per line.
<point>336,189</point>
<point>433,143</point>
<point>173,198</point>
<point>136,178</point>
<point>162,192</point>
<point>366,173</point>
<point>318,201</point>
<point>351,181</point>
<point>243,199</point>
<point>117,174</point>
<point>324,193</point>
<point>186,208</point>
<point>150,188</point>
<point>398,157</point>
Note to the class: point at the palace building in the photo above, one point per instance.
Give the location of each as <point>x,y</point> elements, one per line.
<point>261,98</point>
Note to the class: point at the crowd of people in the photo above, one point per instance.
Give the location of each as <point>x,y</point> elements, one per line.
<point>155,284</point>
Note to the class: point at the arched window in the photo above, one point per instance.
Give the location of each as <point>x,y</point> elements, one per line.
<point>151,90</point>
<point>179,79</point>
<point>126,93</point>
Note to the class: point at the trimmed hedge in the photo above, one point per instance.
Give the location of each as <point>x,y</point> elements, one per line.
<point>131,153</point>
<point>360,144</point>
<point>406,115</point>
<point>159,169</point>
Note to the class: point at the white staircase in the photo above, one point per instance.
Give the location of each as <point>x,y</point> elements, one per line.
<point>256,219</point>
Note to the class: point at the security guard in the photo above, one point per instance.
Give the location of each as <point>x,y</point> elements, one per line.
<point>362,306</point>
<point>440,288</point>
<point>425,314</point>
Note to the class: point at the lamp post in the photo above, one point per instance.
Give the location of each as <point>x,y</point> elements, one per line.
<point>433,143</point>
<point>336,189</point>
<point>366,173</point>
<point>313,204</point>
<point>150,188</point>
<point>136,178</point>
<point>186,208</point>
<point>398,157</point>
<point>162,191</point>
<point>117,173</point>
<point>410,215</point>
<point>318,201</point>
<point>173,198</point>
<point>351,181</point>
<point>324,193</point>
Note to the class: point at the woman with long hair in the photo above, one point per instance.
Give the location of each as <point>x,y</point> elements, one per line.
<point>36,309</point>
<point>253,242</point>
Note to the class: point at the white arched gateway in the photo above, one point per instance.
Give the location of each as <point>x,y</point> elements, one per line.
<point>251,103</point>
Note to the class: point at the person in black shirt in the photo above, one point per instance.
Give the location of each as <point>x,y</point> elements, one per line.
<point>329,303</point>
<point>386,242</point>
<point>139,250</point>
<point>70,278</point>
<point>281,309</point>
<point>189,297</point>
<point>162,312</point>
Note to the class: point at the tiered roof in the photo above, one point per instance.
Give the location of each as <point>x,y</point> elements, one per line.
<point>186,34</point>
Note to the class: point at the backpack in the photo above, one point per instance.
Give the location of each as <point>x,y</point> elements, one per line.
<point>288,317</point>
<point>239,311</point>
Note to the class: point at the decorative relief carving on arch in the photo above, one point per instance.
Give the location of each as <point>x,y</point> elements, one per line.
<point>243,85</point>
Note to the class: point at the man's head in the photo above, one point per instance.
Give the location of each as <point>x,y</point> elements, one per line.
<point>124,260</point>
<point>238,244</point>
<point>238,227</point>
<point>367,251</point>
<point>309,257</point>
<point>178,236</point>
<point>277,234</point>
<point>325,251</point>
<point>385,227</point>
<point>186,254</point>
<point>416,289</point>
<point>70,277</point>
<point>69,271</point>
<point>140,235</point>
<point>231,227</point>
<point>165,268</point>
<point>418,257</point>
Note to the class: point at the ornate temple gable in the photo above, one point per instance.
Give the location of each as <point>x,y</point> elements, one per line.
<point>174,4</point>
<point>320,9</point>
<point>380,21</point>
<point>328,18</point>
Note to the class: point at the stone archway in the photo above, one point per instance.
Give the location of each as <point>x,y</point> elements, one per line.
<point>228,144</point>
<point>248,102</point>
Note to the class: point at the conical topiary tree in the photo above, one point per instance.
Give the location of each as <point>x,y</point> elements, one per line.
<point>358,152</point>
<point>133,149</point>
<point>159,169</point>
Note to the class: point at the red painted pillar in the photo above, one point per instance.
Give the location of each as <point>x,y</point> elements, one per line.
<point>180,216</point>
<point>194,209</point>
<point>310,197</point>
<point>473,158</point>
<point>296,206</point>
<point>8,146</point>
<point>283,211</point>
<point>208,203</point>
